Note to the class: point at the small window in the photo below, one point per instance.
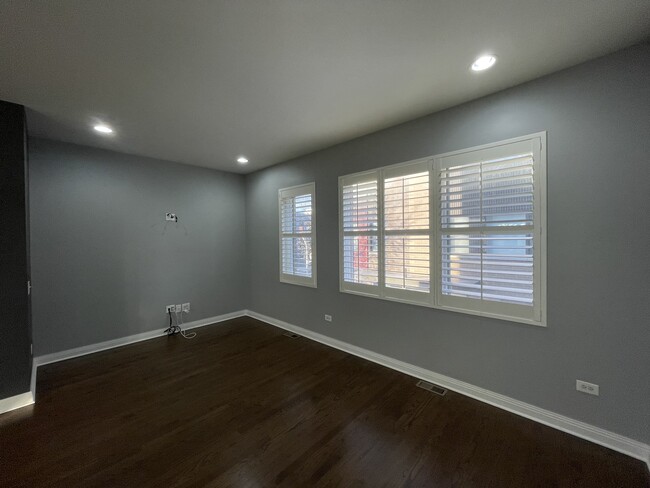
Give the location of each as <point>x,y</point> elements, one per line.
<point>298,235</point>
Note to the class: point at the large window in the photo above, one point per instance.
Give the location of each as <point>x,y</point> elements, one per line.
<point>460,231</point>
<point>298,235</point>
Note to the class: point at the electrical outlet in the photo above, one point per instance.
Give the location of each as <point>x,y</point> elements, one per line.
<point>171,217</point>
<point>179,308</point>
<point>588,388</point>
<point>328,318</point>
<point>186,307</point>
<point>170,308</point>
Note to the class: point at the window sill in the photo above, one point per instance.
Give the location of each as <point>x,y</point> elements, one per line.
<point>309,283</point>
<point>446,308</point>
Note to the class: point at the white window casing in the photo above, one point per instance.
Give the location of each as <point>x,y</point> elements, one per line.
<point>297,234</point>
<point>490,209</point>
<point>384,239</point>
<point>359,233</point>
<point>462,231</point>
<point>406,228</point>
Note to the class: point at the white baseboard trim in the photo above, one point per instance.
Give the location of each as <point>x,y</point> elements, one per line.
<point>580,429</point>
<point>17,401</point>
<point>32,381</point>
<point>29,397</point>
<point>22,400</point>
<point>123,341</point>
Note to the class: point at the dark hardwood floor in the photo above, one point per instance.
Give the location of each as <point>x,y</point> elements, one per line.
<point>242,405</point>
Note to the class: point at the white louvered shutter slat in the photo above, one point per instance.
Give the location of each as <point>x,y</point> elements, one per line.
<point>406,232</point>
<point>360,246</point>
<point>297,254</point>
<point>486,215</point>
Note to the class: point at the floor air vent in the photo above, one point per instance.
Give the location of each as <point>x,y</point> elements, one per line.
<point>291,335</point>
<point>438,390</point>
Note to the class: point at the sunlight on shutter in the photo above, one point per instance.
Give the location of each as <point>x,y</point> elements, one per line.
<point>296,232</point>
<point>485,197</point>
<point>406,228</point>
<point>360,216</point>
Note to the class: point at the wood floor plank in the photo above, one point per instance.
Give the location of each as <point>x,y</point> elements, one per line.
<point>243,405</point>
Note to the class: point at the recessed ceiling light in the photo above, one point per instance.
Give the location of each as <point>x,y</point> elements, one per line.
<point>484,62</point>
<point>242,160</point>
<point>104,129</point>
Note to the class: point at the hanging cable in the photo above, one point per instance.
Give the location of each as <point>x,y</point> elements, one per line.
<point>172,329</point>
<point>176,328</point>
<point>187,335</point>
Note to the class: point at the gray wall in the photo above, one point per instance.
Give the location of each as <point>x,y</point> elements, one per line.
<point>105,263</point>
<point>596,115</point>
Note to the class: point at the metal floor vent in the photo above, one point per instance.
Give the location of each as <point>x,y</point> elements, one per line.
<point>438,390</point>
<point>291,335</point>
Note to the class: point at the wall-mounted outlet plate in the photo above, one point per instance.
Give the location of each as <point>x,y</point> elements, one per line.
<point>170,308</point>
<point>328,318</point>
<point>179,308</point>
<point>186,307</point>
<point>171,217</point>
<point>589,388</point>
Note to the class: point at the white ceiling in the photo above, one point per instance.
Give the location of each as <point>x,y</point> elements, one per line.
<point>201,82</point>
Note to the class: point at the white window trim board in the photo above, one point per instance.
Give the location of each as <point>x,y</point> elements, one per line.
<point>379,174</point>
<point>433,298</point>
<point>352,179</point>
<point>293,191</point>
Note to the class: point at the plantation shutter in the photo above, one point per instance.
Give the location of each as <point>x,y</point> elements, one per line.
<point>461,231</point>
<point>360,233</point>
<point>297,235</point>
<point>489,231</point>
<point>406,232</point>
